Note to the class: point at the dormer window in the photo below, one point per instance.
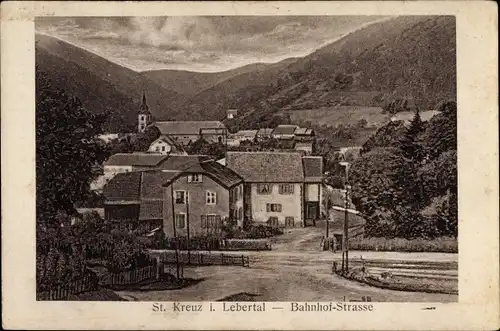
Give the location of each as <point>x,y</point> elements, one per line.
<point>195,178</point>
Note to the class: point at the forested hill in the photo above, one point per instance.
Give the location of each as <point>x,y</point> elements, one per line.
<point>409,58</point>
<point>102,85</point>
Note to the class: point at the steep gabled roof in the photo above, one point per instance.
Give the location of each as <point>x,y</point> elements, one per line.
<point>186,127</point>
<point>285,129</point>
<point>266,166</point>
<point>124,187</point>
<point>313,168</point>
<point>135,159</point>
<point>182,162</point>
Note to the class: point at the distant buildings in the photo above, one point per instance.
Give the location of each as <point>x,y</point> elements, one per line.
<point>187,132</point>
<point>264,133</point>
<point>237,138</point>
<point>285,132</point>
<point>166,145</point>
<point>231,114</point>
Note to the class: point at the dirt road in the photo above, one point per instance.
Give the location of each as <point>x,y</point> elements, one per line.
<point>296,270</point>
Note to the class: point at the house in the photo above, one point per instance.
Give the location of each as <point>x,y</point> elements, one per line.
<point>304,134</point>
<point>305,147</point>
<point>127,162</point>
<point>285,132</point>
<point>264,133</point>
<point>281,188</point>
<point>197,198</point>
<point>186,132</point>
<point>135,199</point>
<point>245,135</point>
<point>166,145</point>
<point>200,198</point>
<point>231,114</point>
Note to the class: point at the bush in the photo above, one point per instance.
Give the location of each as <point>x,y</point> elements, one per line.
<point>247,244</point>
<point>260,232</point>
<point>442,244</point>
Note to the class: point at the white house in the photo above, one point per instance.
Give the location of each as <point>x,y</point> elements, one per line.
<point>281,189</point>
<point>165,145</point>
<point>231,114</point>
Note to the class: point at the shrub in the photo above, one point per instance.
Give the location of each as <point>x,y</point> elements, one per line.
<point>260,232</point>
<point>442,244</point>
<point>247,244</point>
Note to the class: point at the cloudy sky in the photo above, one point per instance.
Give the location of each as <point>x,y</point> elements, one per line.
<point>200,43</point>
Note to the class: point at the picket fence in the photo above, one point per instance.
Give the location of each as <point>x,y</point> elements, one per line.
<point>204,259</point>
<point>61,292</point>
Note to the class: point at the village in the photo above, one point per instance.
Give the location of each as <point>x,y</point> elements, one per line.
<point>280,182</point>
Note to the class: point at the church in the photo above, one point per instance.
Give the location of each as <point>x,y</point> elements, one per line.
<point>181,132</point>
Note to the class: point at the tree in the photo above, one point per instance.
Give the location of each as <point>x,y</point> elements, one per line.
<point>386,136</point>
<point>144,139</point>
<point>203,147</point>
<point>409,143</point>
<point>441,132</point>
<point>68,152</point>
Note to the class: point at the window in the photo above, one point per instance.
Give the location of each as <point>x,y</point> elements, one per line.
<point>211,198</point>
<point>180,197</point>
<point>195,178</point>
<point>157,148</point>
<point>264,188</point>
<point>211,221</point>
<point>163,148</point>
<point>240,214</point>
<point>180,220</point>
<point>289,221</point>
<point>273,207</point>
<point>240,192</point>
<point>273,221</point>
<point>286,188</point>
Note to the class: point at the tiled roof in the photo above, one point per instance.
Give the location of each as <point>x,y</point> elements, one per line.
<point>182,162</point>
<point>266,166</point>
<point>135,159</point>
<point>123,187</point>
<point>265,131</point>
<point>187,127</point>
<point>152,183</point>
<point>285,129</point>
<point>221,174</point>
<point>151,210</point>
<point>303,132</point>
<point>313,168</point>
<point>246,133</point>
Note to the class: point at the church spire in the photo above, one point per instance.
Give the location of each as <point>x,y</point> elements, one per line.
<point>144,106</point>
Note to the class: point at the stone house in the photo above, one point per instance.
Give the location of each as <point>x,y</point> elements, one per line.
<point>166,145</point>
<point>281,189</point>
<point>186,132</point>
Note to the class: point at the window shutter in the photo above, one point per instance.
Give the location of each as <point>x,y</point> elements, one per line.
<point>190,178</point>
<point>278,207</point>
<point>203,221</point>
<point>268,207</point>
<point>281,188</point>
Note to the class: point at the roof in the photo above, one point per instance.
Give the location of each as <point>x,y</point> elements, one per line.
<point>232,111</point>
<point>266,166</point>
<point>285,129</point>
<point>304,132</point>
<point>123,187</point>
<point>303,144</point>
<point>135,159</point>
<point>151,210</point>
<point>221,174</point>
<point>137,185</point>
<point>246,133</point>
<point>265,131</point>
<point>313,168</point>
<point>182,162</point>
<point>186,127</point>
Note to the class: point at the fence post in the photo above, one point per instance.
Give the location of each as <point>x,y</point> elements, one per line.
<point>221,258</point>
<point>243,259</point>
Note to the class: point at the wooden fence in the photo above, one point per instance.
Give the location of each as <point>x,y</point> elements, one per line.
<point>134,276</point>
<point>61,292</point>
<point>204,259</point>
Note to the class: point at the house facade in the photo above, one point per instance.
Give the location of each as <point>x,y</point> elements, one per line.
<point>165,145</point>
<point>194,201</point>
<point>279,190</point>
<point>231,114</point>
<point>186,132</point>
<point>200,199</point>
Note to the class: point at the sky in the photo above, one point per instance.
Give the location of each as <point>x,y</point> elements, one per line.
<point>200,43</point>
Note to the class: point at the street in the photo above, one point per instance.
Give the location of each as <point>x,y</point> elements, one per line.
<point>295,270</point>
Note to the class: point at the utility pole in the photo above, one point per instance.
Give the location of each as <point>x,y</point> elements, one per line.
<point>187,221</point>
<point>345,241</point>
<point>176,246</point>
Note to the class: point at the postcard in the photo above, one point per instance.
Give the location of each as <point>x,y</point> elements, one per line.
<point>250,165</point>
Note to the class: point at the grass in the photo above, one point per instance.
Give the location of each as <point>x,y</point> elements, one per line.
<point>443,244</point>
<point>346,115</point>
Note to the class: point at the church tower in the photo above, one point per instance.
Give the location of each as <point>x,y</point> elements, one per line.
<point>145,117</point>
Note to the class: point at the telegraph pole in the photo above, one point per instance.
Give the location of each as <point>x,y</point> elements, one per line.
<point>176,247</point>
<point>187,221</point>
<point>345,241</point>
